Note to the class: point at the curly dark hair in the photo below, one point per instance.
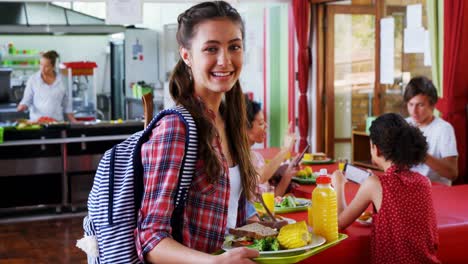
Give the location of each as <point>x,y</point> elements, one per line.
<point>253,108</point>
<point>399,142</point>
<point>420,85</point>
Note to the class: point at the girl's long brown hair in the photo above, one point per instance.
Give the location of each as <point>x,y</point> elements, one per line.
<point>182,91</point>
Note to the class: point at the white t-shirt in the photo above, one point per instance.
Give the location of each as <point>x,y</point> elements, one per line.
<point>43,99</point>
<point>235,192</point>
<point>440,137</point>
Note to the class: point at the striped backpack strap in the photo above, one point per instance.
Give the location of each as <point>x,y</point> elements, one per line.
<point>187,167</point>
<point>116,195</point>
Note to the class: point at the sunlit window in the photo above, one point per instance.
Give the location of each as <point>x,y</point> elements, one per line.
<point>63,4</point>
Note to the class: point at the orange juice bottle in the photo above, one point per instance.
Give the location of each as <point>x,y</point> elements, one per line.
<point>324,208</point>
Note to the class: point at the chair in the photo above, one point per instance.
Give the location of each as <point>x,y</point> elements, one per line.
<point>148,106</point>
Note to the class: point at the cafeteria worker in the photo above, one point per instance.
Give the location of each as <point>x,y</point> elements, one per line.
<point>45,94</point>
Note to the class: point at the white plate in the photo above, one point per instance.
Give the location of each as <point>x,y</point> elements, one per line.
<point>301,205</point>
<point>316,241</point>
<point>366,222</point>
<point>311,162</point>
<point>289,220</point>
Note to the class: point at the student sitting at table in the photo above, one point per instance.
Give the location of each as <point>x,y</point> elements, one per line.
<point>269,173</point>
<point>404,226</point>
<point>441,163</point>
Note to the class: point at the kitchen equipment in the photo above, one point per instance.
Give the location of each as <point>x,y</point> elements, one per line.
<point>8,113</point>
<point>134,58</point>
<point>103,105</point>
<point>81,82</point>
<point>17,92</point>
<point>5,74</point>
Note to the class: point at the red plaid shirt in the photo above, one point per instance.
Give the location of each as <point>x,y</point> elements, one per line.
<point>206,210</point>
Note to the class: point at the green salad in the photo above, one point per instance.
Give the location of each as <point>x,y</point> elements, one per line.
<point>263,244</point>
<point>289,201</point>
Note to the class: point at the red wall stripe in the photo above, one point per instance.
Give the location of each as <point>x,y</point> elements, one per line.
<point>292,68</point>
<point>265,28</point>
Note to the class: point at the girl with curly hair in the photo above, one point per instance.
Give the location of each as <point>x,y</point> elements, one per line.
<point>404,227</point>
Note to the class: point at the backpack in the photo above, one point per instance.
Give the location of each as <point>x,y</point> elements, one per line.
<point>116,195</point>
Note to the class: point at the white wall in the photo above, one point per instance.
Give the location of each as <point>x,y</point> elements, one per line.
<point>252,76</point>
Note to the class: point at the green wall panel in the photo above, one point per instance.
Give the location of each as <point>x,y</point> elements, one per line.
<point>278,77</point>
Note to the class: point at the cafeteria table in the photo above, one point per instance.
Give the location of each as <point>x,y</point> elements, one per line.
<point>450,204</point>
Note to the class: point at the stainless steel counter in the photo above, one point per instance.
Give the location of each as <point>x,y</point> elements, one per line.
<point>72,154</point>
<point>48,141</point>
<point>8,112</point>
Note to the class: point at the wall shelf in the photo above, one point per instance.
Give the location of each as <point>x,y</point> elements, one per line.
<point>21,57</point>
<point>361,150</point>
<point>22,67</point>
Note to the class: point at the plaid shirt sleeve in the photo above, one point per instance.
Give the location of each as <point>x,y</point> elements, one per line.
<point>162,158</point>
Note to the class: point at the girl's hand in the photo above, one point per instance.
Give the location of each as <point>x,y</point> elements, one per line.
<point>370,172</point>
<point>21,108</point>
<point>291,171</point>
<point>237,255</point>
<point>338,179</point>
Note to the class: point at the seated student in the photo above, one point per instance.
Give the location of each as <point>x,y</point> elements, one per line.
<point>404,226</point>
<point>256,132</point>
<point>441,163</point>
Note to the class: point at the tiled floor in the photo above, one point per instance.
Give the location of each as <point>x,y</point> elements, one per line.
<point>42,241</point>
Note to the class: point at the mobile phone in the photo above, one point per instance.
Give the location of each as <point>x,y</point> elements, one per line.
<point>355,174</point>
<point>298,159</point>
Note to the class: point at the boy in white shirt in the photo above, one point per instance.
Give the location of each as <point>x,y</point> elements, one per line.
<point>441,163</point>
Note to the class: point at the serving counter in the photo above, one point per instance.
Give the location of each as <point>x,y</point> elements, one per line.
<point>54,166</point>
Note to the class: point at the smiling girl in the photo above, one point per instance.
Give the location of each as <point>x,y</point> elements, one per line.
<point>205,81</point>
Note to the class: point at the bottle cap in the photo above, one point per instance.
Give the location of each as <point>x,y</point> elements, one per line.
<point>323,180</point>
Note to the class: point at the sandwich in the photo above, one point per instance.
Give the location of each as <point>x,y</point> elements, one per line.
<point>254,235</point>
<point>319,156</point>
<point>266,220</point>
<point>264,238</point>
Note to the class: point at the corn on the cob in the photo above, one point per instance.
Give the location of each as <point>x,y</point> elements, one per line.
<point>294,235</point>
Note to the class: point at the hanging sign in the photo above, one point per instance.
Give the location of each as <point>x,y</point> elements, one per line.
<point>387,50</point>
<point>124,12</point>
